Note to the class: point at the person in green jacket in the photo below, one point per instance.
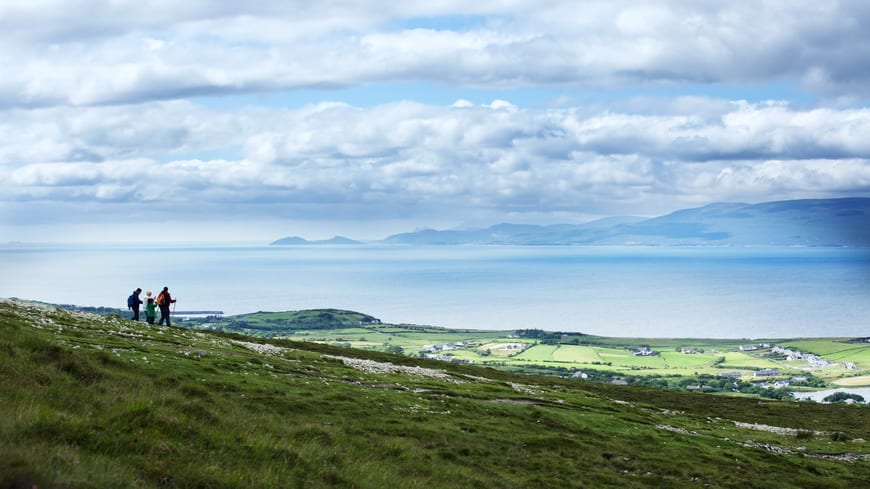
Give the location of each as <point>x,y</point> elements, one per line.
<point>150,308</point>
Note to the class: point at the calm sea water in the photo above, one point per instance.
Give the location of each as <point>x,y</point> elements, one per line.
<point>819,396</point>
<point>614,291</point>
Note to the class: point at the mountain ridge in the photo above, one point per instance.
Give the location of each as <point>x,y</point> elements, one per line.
<point>808,222</point>
<point>843,222</point>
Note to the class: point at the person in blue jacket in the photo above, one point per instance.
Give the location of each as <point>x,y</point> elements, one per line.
<point>133,303</point>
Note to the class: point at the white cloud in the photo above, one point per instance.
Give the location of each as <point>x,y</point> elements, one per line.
<point>502,105</point>
<point>406,158</point>
<point>100,52</point>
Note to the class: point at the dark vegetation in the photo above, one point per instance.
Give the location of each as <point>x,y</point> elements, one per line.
<point>90,401</point>
<point>843,397</point>
<point>554,338</point>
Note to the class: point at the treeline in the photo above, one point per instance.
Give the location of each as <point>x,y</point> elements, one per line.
<point>552,337</point>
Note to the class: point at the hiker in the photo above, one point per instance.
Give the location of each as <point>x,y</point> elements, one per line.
<point>164,300</point>
<point>150,308</point>
<point>133,303</point>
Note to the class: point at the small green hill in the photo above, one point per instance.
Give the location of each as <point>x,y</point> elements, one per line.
<point>90,401</point>
<point>271,324</point>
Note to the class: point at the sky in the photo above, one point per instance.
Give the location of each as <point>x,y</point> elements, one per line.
<point>160,120</point>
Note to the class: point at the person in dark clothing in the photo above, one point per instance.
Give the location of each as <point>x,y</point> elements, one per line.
<point>134,303</point>
<point>164,300</point>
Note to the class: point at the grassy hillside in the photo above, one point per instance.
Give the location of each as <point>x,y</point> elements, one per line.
<point>94,401</point>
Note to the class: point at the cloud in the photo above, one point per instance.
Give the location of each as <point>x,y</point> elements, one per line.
<point>413,160</point>
<point>93,52</point>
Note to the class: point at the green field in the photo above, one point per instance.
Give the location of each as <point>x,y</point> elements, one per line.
<point>822,346</point>
<point>538,353</point>
<point>679,360</point>
<point>860,356</point>
<point>741,360</point>
<point>835,349</point>
<point>576,354</point>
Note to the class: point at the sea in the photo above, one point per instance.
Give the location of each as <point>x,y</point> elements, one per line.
<point>819,396</point>
<point>661,292</point>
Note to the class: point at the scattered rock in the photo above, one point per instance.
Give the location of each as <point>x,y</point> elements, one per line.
<point>674,429</point>
<point>374,367</point>
<point>262,348</point>
<point>776,429</point>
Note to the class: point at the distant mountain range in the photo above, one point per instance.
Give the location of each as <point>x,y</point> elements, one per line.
<point>296,240</point>
<point>821,222</point>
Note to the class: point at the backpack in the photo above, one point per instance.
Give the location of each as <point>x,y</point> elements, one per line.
<point>161,299</point>
<point>130,300</point>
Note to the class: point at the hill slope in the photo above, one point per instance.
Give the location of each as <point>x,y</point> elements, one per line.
<point>90,401</point>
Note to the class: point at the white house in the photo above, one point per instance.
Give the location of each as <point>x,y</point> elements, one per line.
<point>643,351</point>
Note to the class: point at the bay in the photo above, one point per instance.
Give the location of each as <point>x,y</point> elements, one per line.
<point>612,291</point>
<point>819,396</point>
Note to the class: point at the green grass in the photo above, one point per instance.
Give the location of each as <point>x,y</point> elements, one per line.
<point>89,401</point>
<point>538,353</point>
<point>860,356</point>
<point>740,360</point>
<point>576,354</point>
<point>822,346</point>
<point>678,360</point>
<point>625,358</point>
<point>835,350</point>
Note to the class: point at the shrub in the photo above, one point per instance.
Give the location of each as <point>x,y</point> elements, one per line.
<point>804,434</point>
